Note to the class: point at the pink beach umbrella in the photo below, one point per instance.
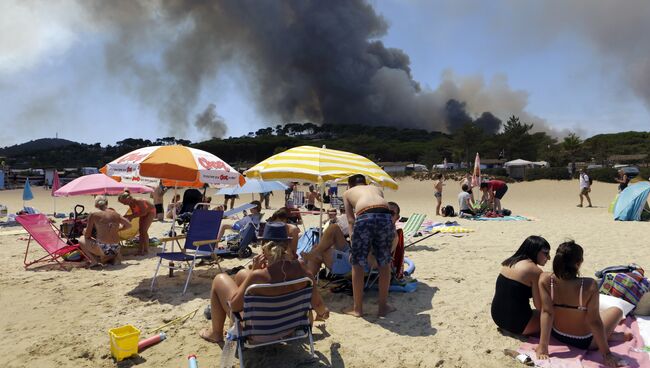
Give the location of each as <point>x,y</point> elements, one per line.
<point>476,175</point>
<point>96,184</point>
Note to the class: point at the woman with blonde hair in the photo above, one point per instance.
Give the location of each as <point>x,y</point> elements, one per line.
<point>143,209</point>
<point>274,265</point>
<point>104,246</point>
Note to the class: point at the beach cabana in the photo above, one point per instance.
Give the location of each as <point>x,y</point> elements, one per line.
<point>631,202</point>
<point>517,168</point>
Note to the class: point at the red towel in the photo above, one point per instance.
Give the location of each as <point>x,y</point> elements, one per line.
<point>398,257</point>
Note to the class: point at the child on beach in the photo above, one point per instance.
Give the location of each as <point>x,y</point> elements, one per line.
<point>585,187</point>
<point>440,182</point>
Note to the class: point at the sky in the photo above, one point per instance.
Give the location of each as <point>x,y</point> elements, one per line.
<point>574,66</point>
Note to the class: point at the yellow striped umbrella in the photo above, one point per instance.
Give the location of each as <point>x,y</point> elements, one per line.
<point>318,165</point>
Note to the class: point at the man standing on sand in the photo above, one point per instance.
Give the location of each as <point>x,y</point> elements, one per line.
<point>157,195</point>
<point>585,187</point>
<point>371,226</point>
<point>495,190</point>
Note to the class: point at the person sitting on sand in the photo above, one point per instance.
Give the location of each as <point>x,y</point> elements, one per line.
<point>465,202</point>
<point>282,215</point>
<point>254,218</point>
<point>516,284</point>
<point>143,209</point>
<point>372,227</point>
<point>570,308</point>
<point>585,187</point>
<point>106,244</point>
<point>495,190</point>
<point>274,265</point>
<point>312,197</point>
<point>440,182</point>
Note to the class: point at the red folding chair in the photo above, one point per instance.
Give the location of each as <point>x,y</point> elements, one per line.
<point>45,234</point>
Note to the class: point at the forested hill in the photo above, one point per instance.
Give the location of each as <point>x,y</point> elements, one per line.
<point>382,144</point>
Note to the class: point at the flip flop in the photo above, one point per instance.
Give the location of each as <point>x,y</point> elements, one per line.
<point>205,336</point>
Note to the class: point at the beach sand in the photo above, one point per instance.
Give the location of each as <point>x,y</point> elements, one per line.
<point>51,318</point>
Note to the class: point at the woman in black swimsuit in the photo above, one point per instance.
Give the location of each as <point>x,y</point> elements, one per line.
<point>516,284</point>
<point>570,308</point>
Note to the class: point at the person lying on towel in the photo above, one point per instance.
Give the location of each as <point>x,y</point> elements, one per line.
<point>570,308</point>
<point>105,246</point>
<point>516,284</point>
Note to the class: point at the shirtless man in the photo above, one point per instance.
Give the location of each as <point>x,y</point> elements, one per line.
<point>370,226</point>
<point>107,223</point>
<point>157,195</point>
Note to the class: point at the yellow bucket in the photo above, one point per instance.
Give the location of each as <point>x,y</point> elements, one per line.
<point>124,341</point>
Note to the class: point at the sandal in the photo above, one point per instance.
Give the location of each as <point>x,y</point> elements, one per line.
<point>206,336</point>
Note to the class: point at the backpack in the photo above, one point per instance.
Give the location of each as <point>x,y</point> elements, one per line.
<point>448,211</point>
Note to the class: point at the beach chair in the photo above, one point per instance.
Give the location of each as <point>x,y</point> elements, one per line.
<point>271,317</point>
<point>200,242</point>
<point>336,202</point>
<point>240,245</point>
<point>298,199</point>
<point>412,226</point>
<point>45,234</point>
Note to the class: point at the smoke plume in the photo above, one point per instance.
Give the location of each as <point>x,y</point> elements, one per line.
<point>313,60</point>
<point>211,123</point>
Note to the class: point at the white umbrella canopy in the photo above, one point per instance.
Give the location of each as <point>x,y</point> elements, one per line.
<point>253,186</point>
<point>518,162</point>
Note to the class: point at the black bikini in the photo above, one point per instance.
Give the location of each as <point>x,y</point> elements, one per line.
<point>581,342</point>
<point>511,305</point>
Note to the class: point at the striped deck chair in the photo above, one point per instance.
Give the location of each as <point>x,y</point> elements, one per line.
<point>271,317</point>
<point>298,198</point>
<point>43,232</point>
<point>412,227</point>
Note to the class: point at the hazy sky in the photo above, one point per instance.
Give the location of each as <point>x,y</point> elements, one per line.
<point>580,66</point>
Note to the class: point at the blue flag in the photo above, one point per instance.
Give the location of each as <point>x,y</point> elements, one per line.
<point>27,192</point>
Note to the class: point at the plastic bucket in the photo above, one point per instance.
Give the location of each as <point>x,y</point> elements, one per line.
<point>124,341</point>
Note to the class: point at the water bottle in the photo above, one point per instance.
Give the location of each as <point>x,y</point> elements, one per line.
<point>191,361</point>
<point>228,354</point>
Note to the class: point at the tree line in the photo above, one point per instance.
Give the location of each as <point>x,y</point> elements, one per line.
<point>379,143</point>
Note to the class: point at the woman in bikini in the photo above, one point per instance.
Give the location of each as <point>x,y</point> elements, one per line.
<point>143,209</point>
<point>570,308</point>
<point>516,284</point>
<point>274,265</point>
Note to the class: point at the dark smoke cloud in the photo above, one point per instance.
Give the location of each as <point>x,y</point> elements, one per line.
<point>305,59</point>
<point>211,123</point>
<point>488,122</point>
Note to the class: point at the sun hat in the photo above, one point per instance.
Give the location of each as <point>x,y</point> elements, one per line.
<point>276,231</point>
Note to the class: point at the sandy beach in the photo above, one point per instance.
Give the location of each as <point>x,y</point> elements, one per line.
<point>52,318</point>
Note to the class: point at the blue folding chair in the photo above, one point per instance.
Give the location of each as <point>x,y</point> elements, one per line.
<point>200,241</point>
<point>242,247</point>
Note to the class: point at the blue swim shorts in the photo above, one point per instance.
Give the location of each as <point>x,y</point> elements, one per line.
<point>372,231</point>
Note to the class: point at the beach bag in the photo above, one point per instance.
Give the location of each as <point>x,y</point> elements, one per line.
<point>629,286</point>
<point>448,211</point>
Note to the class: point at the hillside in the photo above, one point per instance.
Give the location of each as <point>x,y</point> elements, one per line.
<point>43,144</point>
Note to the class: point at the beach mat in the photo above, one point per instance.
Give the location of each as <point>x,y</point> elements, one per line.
<point>563,356</point>
<point>449,227</point>
<point>504,218</point>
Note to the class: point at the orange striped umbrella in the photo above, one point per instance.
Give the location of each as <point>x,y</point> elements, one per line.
<point>176,165</point>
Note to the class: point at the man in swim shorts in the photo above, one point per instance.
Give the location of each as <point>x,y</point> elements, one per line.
<point>106,244</point>
<point>157,196</point>
<point>371,227</point>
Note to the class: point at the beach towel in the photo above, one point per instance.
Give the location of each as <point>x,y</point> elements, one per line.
<point>449,227</point>
<point>504,218</point>
<point>563,356</point>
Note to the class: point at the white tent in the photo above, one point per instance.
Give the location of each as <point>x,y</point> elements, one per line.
<point>518,162</point>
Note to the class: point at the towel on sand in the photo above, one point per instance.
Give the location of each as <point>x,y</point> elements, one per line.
<point>570,357</point>
<point>504,218</point>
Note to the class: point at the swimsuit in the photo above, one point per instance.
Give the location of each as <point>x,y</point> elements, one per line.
<point>437,194</point>
<point>374,228</point>
<point>135,209</point>
<point>511,306</point>
<point>109,249</point>
<point>581,342</point>
<point>159,208</point>
<point>500,188</point>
